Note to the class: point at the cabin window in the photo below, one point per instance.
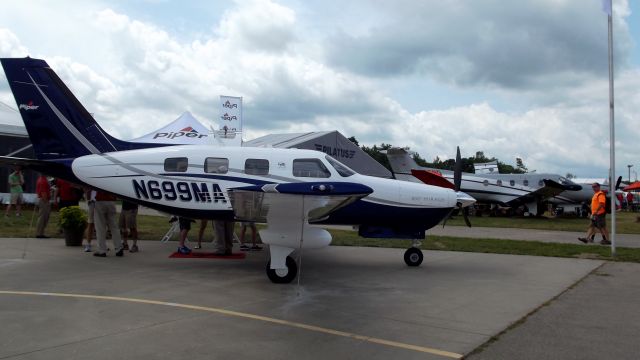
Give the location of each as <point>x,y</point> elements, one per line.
<point>499,182</point>
<point>485,183</point>
<point>216,165</point>
<point>540,183</point>
<point>310,168</point>
<point>341,168</point>
<point>179,164</point>
<point>256,167</point>
<point>512,182</point>
<point>525,182</point>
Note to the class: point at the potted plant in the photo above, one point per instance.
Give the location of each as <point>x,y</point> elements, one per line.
<point>72,221</point>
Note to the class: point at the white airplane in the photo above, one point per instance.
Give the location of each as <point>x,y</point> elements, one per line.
<point>529,189</point>
<point>288,189</point>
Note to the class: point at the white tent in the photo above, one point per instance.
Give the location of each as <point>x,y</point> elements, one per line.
<point>186,129</point>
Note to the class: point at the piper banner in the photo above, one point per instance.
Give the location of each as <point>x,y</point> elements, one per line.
<point>230,121</point>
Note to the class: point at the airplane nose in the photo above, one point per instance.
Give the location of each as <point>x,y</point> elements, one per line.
<point>464,199</point>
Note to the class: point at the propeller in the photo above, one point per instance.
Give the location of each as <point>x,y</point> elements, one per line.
<point>461,197</point>
<point>457,171</point>
<point>618,183</point>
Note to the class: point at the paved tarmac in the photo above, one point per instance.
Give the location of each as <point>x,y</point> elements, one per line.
<point>597,319</point>
<point>57,302</point>
<point>570,237</point>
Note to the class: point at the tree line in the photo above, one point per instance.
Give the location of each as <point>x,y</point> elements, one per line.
<point>376,152</point>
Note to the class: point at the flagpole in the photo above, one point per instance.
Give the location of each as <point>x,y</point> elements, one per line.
<point>612,149</point>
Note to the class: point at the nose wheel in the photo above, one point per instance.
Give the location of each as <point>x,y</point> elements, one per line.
<point>413,256</point>
<point>283,276</point>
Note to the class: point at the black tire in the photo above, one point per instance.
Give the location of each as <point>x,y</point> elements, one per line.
<point>292,271</point>
<point>413,257</point>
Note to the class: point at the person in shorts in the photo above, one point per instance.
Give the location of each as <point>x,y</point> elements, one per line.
<point>598,216</point>
<point>16,181</point>
<point>128,224</point>
<point>243,229</point>
<point>185,226</point>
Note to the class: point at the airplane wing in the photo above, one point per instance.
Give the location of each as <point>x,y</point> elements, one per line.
<point>550,189</point>
<point>254,203</point>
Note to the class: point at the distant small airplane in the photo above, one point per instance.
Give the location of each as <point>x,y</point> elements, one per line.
<point>513,190</point>
<point>288,189</point>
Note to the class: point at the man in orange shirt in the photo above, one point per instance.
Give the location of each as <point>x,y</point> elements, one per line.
<point>598,216</point>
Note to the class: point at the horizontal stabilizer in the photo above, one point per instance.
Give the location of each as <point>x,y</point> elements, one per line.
<point>51,168</point>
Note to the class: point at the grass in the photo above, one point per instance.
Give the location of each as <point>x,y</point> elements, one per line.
<point>154,227</point>
<point>149,227</point>
<point>494,246</point>
<point>626,222</point>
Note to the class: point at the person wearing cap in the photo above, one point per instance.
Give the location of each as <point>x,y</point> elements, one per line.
<point>598,216</point>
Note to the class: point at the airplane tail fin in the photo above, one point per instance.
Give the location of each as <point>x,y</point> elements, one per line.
<point>58,125</point>
<point>401,161</point>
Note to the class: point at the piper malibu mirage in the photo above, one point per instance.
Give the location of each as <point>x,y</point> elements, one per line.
<point>288,189</point>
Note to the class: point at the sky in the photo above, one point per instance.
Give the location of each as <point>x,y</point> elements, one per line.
<point>525,79</point>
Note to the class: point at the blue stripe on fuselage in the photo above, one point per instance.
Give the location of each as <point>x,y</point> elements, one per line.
<point>221,177</point>
<point>202,177</point>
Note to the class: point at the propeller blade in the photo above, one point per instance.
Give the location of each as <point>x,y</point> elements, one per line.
<point>448,217</point>
<point>618,182</point>
<point>465,215</point>
<point>457,171</point>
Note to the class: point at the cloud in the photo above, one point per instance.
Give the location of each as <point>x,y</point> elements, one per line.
<point>10,45</point>
<point>512,45</point>
<point>259,25</point>
<point>136,76</point>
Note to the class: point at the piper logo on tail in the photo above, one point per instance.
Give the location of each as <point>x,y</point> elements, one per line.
<point>29,106</point>
<point>188,132</point>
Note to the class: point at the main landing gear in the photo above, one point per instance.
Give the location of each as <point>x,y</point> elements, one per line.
<point>283,276</point>
<point>413,256</point>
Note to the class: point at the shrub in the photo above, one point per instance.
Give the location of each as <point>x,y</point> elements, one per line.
<point>72,218</point>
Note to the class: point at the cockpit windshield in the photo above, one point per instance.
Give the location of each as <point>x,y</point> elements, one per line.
<point>342,169</point>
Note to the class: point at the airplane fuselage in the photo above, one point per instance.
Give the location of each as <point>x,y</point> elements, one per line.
<point>505,187</point>
<point>194,181</point>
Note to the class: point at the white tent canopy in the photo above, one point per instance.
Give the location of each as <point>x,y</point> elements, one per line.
<point>186,129</point>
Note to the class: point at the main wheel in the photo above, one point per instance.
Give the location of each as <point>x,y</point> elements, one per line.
<point>283,276</point>
<point>413,257</point>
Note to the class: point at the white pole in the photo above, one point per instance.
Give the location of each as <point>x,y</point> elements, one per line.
<point>612,140</point>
